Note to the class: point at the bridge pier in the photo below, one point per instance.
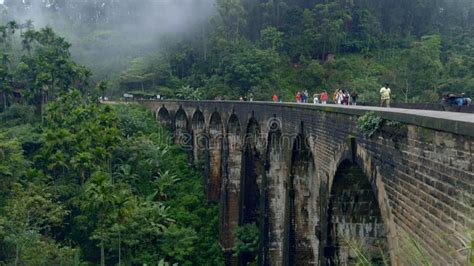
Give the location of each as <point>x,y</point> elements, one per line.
<point>276,200</point>
<point>303,243</point>
<point>230,205</point>
<point>199,139</point>
<point>216,135</point>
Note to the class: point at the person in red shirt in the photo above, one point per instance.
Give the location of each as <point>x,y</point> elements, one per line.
<point>275,98</point>
<point>324,97</point>
<point>298,97</point>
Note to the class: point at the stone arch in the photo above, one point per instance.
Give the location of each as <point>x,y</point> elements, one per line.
<point>233,125</point>
<point>303,243</point>
<point>252,171</point>
<point>214,150</point>
<point>353,217</point>
<point>251,181</point>
<point>163,116</point>
<point>198,126</point>
<point>229,212</point>
<point>181,127</point>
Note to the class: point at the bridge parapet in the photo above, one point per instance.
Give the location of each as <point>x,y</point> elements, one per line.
<point>281,166</point>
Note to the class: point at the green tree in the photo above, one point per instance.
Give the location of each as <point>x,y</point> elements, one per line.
<point>420,68</point>
<point>271,38</point>
<point>5,76</point>
<point>188,93</point>
<point>29,216</point>
<point>331,19</point>
<point>13,165</point>
<point>231,18</point>
<point>99,191</point>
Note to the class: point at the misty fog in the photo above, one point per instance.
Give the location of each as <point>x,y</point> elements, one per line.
<point>106,34</point>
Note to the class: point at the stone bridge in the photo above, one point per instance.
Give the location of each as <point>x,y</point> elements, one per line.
<point>323,193</point>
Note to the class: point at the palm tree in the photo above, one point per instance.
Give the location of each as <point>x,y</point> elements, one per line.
<point>99,192</point>
<point>3,34</point>
<point>4,76</point>
<point>28,38</point>
<point>124,208</point>
<point>12,26</point>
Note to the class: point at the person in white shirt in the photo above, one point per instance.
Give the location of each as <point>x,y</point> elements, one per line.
<point>385,95</point>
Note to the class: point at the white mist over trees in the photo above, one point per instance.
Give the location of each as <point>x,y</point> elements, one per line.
<point>107,34</point>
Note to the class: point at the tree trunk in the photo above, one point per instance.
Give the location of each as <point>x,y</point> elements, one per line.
<point>120,249</point>
<point>17,254</point>
<point>52,87</point>
<point>42,105</point>
<point>406,91</point>
<point>102,253</point>
<point>4,100</point>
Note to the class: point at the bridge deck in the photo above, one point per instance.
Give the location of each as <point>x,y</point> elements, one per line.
<point>459,123</point>
<point>461,117</point>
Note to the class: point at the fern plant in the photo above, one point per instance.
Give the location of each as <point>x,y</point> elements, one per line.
<point>369,124</point>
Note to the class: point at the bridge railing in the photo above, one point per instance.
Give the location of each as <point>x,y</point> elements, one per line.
<point>428,106</point>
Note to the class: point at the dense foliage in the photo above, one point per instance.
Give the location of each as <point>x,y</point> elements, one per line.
<point>369,124</point>
<point>99,183</point>
<point>247,242</point>
<point>422,48</point>
<point>41,70</point>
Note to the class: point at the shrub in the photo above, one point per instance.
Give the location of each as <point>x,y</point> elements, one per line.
<point>248,236</point>
<point>369,124</point>
<point>18,114</point>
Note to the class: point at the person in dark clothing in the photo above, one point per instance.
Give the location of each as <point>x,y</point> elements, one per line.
<point>354,97</point>
<point>455,102</point>
<point>345,97</point>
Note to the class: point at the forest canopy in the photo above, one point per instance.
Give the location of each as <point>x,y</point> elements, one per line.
<point>99,184</point>
<point>262,47</point>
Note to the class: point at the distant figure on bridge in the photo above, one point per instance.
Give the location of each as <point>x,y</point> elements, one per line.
<point>457,99</point>
<point>324,97</point>
<point>250,97</point>
<point>454,102</point>
<point>345,97</point>
<point>298,97</point>
<point>354,97</point>
<point>305,96</point>
<point>334,96</point>
<point>385,95</point>
<point>275,98</point>
<point>241,98</point>
<point>316,98</point>
<point>338,96</point>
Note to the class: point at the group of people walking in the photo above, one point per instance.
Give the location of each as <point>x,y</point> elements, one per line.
<point>302,97</point>
<point>339,97</point>
<point>342,97</point>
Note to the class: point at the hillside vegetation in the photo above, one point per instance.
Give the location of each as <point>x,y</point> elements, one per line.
<point>96,184</point>
<point>423,48</point>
